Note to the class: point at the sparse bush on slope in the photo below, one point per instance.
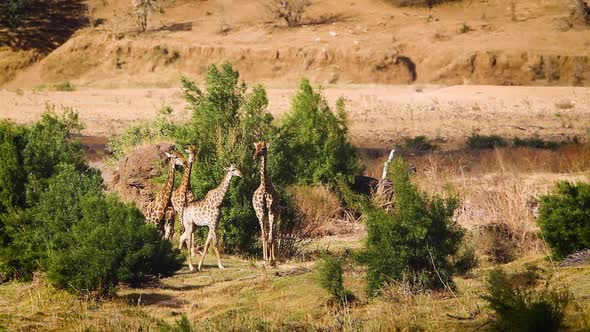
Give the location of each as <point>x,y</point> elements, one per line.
<point>412,245</point>
<point>564,218</point>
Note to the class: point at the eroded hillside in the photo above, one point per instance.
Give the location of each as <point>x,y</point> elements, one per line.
<point>361,41</point>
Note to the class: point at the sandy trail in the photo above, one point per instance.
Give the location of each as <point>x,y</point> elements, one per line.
<point>379,114</point>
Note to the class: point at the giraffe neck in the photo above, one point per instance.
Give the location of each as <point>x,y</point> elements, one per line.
<point>263,170</point>
<point>186,178</point>
<point>220,191</point>
<point>168,185</point>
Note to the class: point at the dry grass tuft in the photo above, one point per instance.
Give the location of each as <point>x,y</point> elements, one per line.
<point>321,211</point>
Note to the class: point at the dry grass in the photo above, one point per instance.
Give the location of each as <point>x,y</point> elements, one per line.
<point>245,297</point>
<point>496,188</point>
<point>320,210</point>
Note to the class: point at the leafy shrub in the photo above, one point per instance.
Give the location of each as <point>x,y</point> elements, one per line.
<point>413,245</point>
<point>65,86</point>
<point>330,278</point>
<point>564,218</point>
<point>312,144</point>
<point>520,309</point>
<point>12,12</point>
<point>160,128</point>
<point>111,243</point>
<point>225,124</point>
<point>181,325</point>
<point>227,120</point>
<point>418,144</point>
<point>465,260</point>
<point>476,141</point>
<point>536,143</point>
<point>59,221</point>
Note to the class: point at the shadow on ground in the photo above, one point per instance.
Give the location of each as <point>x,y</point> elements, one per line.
<point>47,25</point>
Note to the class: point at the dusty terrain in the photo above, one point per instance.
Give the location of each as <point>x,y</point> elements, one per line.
<point>361,41</point>
<point>379,114</point>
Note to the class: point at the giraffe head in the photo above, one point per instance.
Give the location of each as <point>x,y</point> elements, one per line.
<point>260,149</point>
<point>233,171</point>
<point>192,151</point>
<point>176,157</point>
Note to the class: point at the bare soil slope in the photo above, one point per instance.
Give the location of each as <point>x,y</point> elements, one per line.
<point>361,41</point>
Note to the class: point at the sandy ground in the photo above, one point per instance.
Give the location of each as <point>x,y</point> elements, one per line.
<point>379,114</point>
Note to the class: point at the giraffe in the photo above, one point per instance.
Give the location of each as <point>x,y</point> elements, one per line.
<point>156,210</point>
<point>206,213</point>
<point>183,194</point>
<point>266,204</point>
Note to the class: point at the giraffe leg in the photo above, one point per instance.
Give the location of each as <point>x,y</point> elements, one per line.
<point>187,231</point>
<point>217,251</point>
<point>261,218</point>
<point>183,237</point>
<point>204,249</point>
<point>169,223</point>
<point>271,240</point>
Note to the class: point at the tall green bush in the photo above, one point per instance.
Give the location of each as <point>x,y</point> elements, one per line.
<point>226,121</point>
<point>412,245</point>
<point>564,218</point>
<point>312,144</point>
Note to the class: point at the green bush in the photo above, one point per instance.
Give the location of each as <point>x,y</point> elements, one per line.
<point>520,309</point>
<point>181,325</point>
<point>330,278</point>
<point>225,124</point>
<point>312,144</point>
<point>476,141</point>
<point>412,245</point>
<point>111,243</point>
<point>59,221</point>
<point>418,144</point>
<point>564,218</point>
<point>536,143</point>
<point>160,128</point>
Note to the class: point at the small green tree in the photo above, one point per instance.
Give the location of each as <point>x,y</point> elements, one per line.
<point>330,277</point>
<point>412,245</point>
<point>564,218</point>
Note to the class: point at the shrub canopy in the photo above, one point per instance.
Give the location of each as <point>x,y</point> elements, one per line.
<point>564,218</point>
<point>412,245</point>
<point>54,216</point>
